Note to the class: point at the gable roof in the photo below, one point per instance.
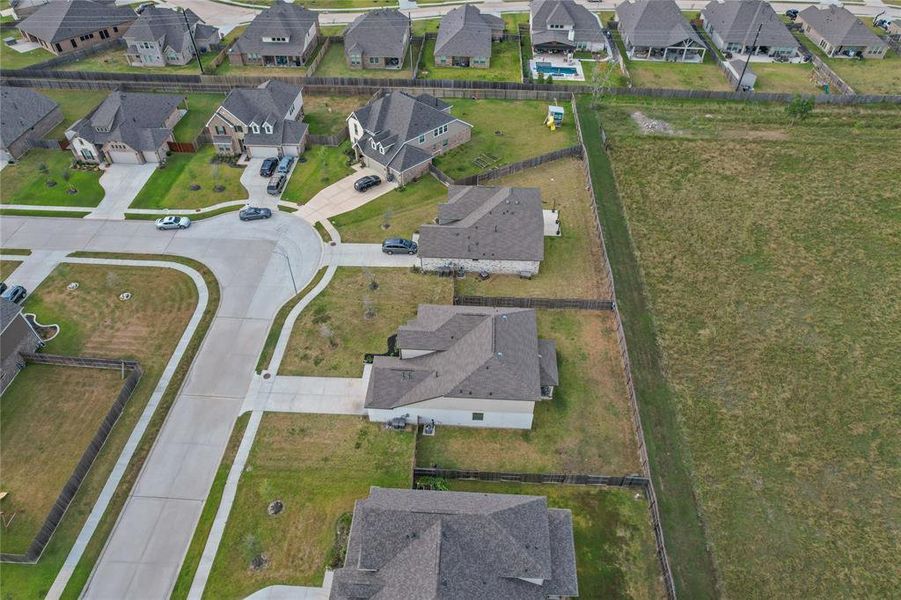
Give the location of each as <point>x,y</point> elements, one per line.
<point>465,31</point>
<point>59,21</point>
<point>585,25</point>
<point>22,110</point>
<point>8,311</point>
<point>474,352</point>
<point>736,21</point>
<point>156,23</point>
<point>133,118</point>
<point>282,19</point>
<point>654,23</point>
<point>490,223</point>
<point>379,32</point>
<point>444,545</point>
<point>838,26</point>
<point>268,102</point>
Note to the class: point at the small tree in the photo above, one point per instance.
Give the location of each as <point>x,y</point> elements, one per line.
<point>549,80</point>
<point>42,168</point>
<point>66,174</point>
<point>799,108</point>
<point>386,219</point>
<point>540,77</point>
<point>602,78</point>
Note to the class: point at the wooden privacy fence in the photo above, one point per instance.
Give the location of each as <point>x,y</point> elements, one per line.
<point>522,165</point>
<point>328,140</point>
<point>521,302</point>
<point>567,478</point>
<point>58,510</point>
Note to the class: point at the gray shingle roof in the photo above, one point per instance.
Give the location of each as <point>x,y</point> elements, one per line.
<point>654,23</point>
<point>547,354</point>
<point>736,21</point>
<point>22,110</point>
<point>283,132</point>
<point>135,119</point>
<point>279,20</point>
<point>59,21</point>
<point>156,23</point>
<point>456,545</point>
<point>465,31</point>
<point>838,26</point>
<point>586,26</point>
<point>475,352</point>
<point>267,103</point>
<point>378,32</point>
<point>486,223</point>
<point>8,312</point>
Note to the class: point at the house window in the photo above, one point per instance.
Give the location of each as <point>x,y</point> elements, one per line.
<point>87,155</point>
<point>478,416</point>
<point>373,60</point>
<point>355,59</point>
<point>239,129</point>
<point>439,130</point>
<point>445,143</point>
<point>254,128</point>
<point>220,130</point>
<point>59,48</point>
<point>115,29</point>
<point>422,139</point>
<point>267,128</point>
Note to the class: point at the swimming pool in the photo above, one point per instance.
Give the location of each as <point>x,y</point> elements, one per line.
<point>549,69</point>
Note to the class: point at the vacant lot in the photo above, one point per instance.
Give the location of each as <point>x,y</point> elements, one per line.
<point>504,132</point>
<point>399,213</point>
<point>327,115</point>
<point>355,315</point>
<point>572,265</point>
<point>775,310</point>
<point>322,166</point>
<point>586,428</point>
<point>171,186</point>
<point>504,65</point>
<point>615,553</point>
<point>94,322</point>
<point>317,466</point>
<point>44,178</point>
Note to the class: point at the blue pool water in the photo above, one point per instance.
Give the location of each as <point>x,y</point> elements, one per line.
<point>549,69</point>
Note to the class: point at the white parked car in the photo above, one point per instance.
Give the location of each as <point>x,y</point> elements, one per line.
<point>173,223</point>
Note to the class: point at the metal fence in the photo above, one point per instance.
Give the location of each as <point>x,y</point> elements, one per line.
<point>58,510</point>
<point>560,478</point>
<point>521,302</point>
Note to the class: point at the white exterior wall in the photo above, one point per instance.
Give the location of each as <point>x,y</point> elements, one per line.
<point>152,156</point>
<point>354,129</point>
<point>77,144</point>
<point>513,267</point>
<point>406,353</point>
<point>498,414</point>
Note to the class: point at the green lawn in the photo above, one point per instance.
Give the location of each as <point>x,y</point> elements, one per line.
<point>74,104</point>
<point>200,108</point>
<point>335,65</point>
<point>423,26</point>
<point>354,316</point>
<point>402,210</point>
<point>785,78</point>
<point>170,187</point>
<point>26,181</point>
<point>615,551</point>
<point>7,267</point>
<point>327,115</point>
<point>777,319</point>
<point>317,465</point>
<point>678,76</point>
<point>114,60</point>
<point>509,131</point>
<point>504,65</point>
<point>867,76</point>
<point>585,428</point>
<point>10,59</point>
<point>324,166</point>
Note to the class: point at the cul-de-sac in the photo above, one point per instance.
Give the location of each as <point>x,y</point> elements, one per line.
<point>450,299</point>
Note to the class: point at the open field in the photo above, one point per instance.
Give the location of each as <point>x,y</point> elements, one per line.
<point>355,315</point>
<point>504,65</point>
<point>586,428</point>
<point>775,313</point>
<point>335,65</point>
<point>74,104</point>
<point>615,552</point>
<point>200,108</point>
<point>26,182</point>
<point>317,465</point>
<point>170,187</point>
<point>7,267</point>
<point>323,166</point>
<point>509,131</point>
<point>572,265</point>
<point>327,115</point>
<point>94,322</point>
<point>403,210</point>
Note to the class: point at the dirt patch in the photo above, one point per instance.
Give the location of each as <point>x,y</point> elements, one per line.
<point>649,125</point>
<point>275,507</point>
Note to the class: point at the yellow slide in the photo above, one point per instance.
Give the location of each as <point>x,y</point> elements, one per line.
<point>549,121</point>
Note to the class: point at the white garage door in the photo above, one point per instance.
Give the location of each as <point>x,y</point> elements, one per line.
<point>262,151</point>
<point>124,158</point>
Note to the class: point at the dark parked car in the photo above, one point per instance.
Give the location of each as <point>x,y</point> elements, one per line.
<point>792,13</point>
<point>364,183</point>
<point>276,185</point>
<point>15,294</point>
<point>399,246</point>
<point>252,213</point>
<point>284,165</point>
<point>268,167</point>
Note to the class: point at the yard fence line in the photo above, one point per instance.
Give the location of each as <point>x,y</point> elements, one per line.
<point>524,70</point>
<point>653,507</point>
<point>328,140</point>
<point>415,66</point>
<point>508,169</point>
<point>311,68</point>
<point>58,510</point>
<point>824,71</point>
<point>525,302</point>
<point>562,478</point>
<point>42,143</point>
<point>77,55</point>
<point>440,175</point>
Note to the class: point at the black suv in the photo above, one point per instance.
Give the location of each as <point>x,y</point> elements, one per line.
<point>268,167</point>
<point>364,183</point>
<point>399,245</point>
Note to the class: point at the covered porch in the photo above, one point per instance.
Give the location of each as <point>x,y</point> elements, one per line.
<point>687,52</point>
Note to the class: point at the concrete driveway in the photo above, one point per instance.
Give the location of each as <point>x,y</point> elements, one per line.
<point>322,395</point>
<point>366,255</point>
<point>255,185</point>
<point>120,183</point>
<point>341,197</point>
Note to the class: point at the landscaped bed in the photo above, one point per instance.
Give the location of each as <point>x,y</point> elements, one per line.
<point>321,167</point>
<point>615,552</point>
<point>171,186</point>
<point>26,181</point>
<point>316,466</point>
<point>504,65</point>
<point>354,316</point>
<point>586,428</point>
<point>504,132</point>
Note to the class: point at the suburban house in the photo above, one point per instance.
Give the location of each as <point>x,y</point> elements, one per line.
<point>22,8</point>
<point>465,36</point>
<point>839,33</point>
<point>464,365</point>
<point>398,134</point>
<point>564,26</point>
<point>127,127</point>
<point>733,25</point>
<point>261,122</point>
<point>26,116</point>
<point>377,39</point>
<point>894,30</point>
<point>61,27</point>
<point>485,229</point>
<point>656,30</point>
<point>283,35</point>
<point>429,544</point>
<point>161,37</point>
<point>17,337</point>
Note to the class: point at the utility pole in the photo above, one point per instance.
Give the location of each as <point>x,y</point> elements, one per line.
<point>193,43</point>
<point>745,67</point>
